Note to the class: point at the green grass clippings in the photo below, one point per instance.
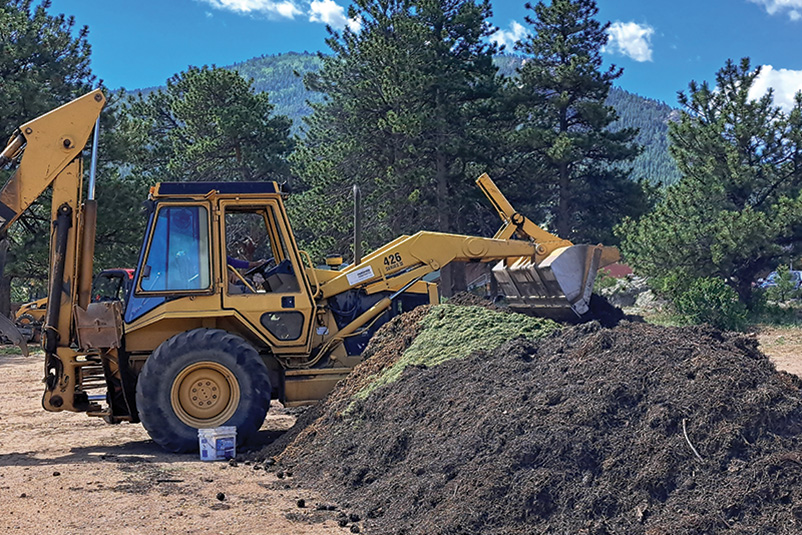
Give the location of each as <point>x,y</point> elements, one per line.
<point>453,332</point>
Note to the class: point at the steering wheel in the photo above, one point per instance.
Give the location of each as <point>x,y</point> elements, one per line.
<point>260,268</point>
<point>285,266</point>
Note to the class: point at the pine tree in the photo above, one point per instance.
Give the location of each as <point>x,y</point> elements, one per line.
<point>577,164</point>
<point>208,124</point>
<point>402,116</point>
<point>44,63</point>
<point>737,210</point>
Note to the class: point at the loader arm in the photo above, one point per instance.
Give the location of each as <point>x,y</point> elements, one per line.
<point>408,258</point>
<point>515,224</point>
<point>538,272</point>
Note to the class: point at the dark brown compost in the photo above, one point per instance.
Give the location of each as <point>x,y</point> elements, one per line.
<point>638,429</point>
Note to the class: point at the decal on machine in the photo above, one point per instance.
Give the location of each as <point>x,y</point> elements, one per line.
<point>393,261</point>
<point>360,275</point>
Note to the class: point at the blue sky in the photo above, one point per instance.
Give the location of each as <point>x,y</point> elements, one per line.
<point>661,44</point>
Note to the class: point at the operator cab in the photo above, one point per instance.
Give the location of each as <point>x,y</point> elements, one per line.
<point>225,250</point>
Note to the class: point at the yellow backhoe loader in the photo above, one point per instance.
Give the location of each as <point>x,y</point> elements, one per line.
<point>198,343</point>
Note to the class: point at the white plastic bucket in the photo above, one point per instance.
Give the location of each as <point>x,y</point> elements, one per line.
<point>218,443</point>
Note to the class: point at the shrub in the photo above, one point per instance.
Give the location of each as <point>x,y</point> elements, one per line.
<point>785,288</point>
<point>710,300</point>
<point>604,280</point>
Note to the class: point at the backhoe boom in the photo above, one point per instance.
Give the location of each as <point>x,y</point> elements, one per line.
<point>47,145</point>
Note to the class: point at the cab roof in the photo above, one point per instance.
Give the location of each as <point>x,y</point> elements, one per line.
<point>194,189</point>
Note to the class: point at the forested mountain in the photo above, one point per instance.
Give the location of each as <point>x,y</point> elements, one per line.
<point>282,77</point>
<point>651,118</point>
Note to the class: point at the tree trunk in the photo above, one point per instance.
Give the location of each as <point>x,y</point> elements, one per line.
<point>449,275</point>
<point>563,222</point>
<point>563,219</point>
<point>458,282</point>
<point>5,282</point>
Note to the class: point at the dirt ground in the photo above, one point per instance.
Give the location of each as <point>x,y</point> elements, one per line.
<point>66,473</point>
<point>783,345</point>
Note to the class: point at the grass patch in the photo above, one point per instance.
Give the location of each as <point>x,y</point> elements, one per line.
<point>787,314</point>
<point>15,350</point>
<point>453,332</point>
<point>663,317</point>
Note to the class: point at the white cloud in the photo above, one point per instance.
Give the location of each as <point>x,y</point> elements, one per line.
<point>630,39</point>
<point>282,8</point>
<point>773,7</point>
<point>333,14</point>
<point>325,11</point>
<point>287,9</point>
<point>785,83</point>
<point>509,37</point>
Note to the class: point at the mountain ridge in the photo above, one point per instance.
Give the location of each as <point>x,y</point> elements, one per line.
<point>281,76</point>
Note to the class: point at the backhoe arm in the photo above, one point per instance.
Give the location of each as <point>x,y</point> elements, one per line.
<point>47,145</point>
<point>48,151</point>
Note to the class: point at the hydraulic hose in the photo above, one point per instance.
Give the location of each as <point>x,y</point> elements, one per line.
<point>63,223</point>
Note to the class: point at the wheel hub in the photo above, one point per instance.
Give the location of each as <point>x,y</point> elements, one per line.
<point>205,394</point>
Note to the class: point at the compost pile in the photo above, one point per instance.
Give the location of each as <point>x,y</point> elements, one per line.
<point>638,429</point>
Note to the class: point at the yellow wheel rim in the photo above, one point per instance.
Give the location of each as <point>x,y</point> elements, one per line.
<point>205,394</point>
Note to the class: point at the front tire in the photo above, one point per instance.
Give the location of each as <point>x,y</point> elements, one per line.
<point>201,379</point>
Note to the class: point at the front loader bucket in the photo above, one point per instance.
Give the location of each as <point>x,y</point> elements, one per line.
<point>559,286</point>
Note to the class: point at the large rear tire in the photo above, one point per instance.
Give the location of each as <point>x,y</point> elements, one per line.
<point>201,379</point>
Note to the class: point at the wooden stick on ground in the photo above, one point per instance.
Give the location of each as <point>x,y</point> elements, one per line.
<point>688,440</point>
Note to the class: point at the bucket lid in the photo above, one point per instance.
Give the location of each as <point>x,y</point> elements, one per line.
<point>224,430</point>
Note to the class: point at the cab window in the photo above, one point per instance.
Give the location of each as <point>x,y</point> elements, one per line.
<point>178,257</point>
<point>252,237</point>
